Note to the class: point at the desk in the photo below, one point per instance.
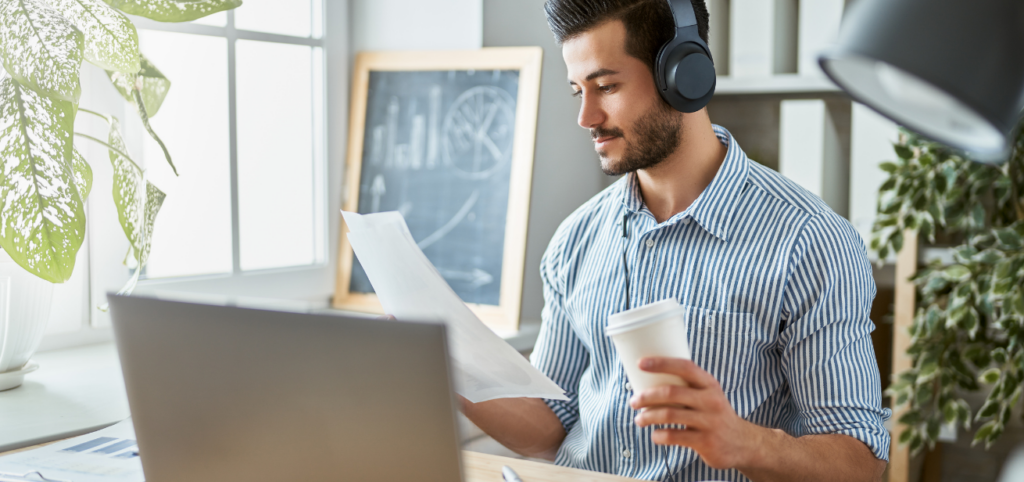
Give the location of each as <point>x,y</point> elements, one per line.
<point>479,467</point>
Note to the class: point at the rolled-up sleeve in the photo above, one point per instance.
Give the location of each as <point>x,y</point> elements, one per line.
<point>559,354</point>
<point>828,358</point>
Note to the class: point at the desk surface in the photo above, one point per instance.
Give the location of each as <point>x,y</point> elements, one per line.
<point>487,468</point>
<point>479,467</point>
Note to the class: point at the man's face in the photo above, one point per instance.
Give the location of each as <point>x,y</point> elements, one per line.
<point>631,126</point>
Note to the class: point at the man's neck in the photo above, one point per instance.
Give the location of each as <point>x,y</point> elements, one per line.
<point>671,186</point>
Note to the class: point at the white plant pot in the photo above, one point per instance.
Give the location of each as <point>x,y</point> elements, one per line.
<point>25,301</point>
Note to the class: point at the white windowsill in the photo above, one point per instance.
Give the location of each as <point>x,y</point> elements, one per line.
<point>79,390</point>
<point>75,391</point>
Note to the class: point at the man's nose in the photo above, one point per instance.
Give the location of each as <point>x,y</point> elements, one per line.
<point>591,114</point>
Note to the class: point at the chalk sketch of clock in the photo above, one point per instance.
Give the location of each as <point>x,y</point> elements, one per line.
<point>478,132</point>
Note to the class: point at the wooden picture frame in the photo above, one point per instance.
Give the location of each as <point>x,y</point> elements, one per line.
<point>502,317</point>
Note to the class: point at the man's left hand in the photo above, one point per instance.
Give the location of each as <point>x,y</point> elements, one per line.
<point>713,429</point>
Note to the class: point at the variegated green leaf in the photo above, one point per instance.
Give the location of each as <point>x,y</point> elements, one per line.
<point>111,41</point>
<point>173,10</point>
<point>140,107</point>
<point>42,217</point>
<point>82,174</point>
<point>154,201</point>
<point>40,48</point>
<point>129,194</point>
<point>149,82</point>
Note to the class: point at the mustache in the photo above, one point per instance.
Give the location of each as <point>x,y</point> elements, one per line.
<point>599,132</point>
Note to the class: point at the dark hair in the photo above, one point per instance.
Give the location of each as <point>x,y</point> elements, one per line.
<point>648,23</point>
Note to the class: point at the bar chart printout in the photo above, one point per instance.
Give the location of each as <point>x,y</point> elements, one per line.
<point>109,455</point>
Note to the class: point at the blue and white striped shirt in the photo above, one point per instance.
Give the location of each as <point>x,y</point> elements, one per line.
<point>778,287</point>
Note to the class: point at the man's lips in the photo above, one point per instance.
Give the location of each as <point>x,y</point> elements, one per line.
<point>600,141</point>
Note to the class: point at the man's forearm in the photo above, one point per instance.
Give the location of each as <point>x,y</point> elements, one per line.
<point>526,426</point>
<point>781,457</point>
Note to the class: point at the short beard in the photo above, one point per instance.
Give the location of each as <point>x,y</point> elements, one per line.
<point>655,137</point>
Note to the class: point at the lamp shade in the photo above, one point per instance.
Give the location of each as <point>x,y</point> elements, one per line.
<point>951,70</point>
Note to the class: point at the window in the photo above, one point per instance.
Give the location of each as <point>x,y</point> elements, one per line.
<point>244,122</point>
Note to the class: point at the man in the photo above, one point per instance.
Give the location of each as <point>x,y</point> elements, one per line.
<point>783,384</point>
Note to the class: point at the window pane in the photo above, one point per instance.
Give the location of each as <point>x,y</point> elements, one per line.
<point>192,234</point>
<point>285,17</point>
<point>276,181</point>
<point>218,19</point>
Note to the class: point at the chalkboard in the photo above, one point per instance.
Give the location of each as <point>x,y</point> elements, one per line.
<point>446,147</point>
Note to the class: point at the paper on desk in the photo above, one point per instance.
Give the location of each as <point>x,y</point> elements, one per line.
<point>108,455</point>
<point>410,288</point>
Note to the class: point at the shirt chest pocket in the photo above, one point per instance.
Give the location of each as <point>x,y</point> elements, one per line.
<point>723,345</point>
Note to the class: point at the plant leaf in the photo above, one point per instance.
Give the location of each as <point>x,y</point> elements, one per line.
<point>111,41</point>
<point>149,81</point>
<point>141,109</point>
<point>129,196</point>
<point>138,201</point>
<point>903,151</point>
<point>82,173</point>
<point>989,256</point>
<point>40,48</point>
<point>957,272</point>
<point>154,200</point>
<point>989,376</point>
<point>172,10</point>
<point>42,213</point>
<point>984,432</point>
<point>1008,237</point>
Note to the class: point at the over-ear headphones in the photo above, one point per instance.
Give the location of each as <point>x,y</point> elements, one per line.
<point>685,72</point>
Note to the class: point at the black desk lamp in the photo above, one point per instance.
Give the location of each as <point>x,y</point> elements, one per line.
<point>952,70</point>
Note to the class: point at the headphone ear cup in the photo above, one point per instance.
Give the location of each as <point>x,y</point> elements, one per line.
<point>694,76</point>
<point>686,76</point>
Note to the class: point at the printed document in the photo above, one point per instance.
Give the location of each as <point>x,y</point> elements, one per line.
<point>410,288</point>
<point>108,455</point>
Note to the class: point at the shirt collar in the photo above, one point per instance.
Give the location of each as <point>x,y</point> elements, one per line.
<point>714,208</point>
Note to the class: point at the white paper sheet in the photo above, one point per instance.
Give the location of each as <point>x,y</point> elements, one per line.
<point>108,455</point>
<point>410,288</point>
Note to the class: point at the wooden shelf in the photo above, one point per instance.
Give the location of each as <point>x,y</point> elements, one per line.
<point>776,84</point>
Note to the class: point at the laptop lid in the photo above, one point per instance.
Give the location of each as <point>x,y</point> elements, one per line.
<point>234,394</point>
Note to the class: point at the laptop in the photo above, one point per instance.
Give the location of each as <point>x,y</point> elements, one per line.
<point>220,393</point>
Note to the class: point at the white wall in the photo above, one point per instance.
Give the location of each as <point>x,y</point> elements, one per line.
<point>416,24</point>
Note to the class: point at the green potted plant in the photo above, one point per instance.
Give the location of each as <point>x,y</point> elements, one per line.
<point>44,181</point>
<point>967,333</point>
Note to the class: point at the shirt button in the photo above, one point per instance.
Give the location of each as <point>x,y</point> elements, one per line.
<point>650,243</point>
<point>686,221</point>
<point>626,453</point>
<point>629,388</point>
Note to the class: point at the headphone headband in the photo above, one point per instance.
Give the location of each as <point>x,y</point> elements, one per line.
<point>682,13</point>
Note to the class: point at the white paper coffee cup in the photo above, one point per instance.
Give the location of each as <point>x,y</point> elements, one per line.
<point>657,329</point>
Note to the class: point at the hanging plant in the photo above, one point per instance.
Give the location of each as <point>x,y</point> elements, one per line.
<point>967,332</point>
<point>44,181</point>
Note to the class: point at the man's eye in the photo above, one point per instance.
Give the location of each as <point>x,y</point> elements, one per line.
<point>577,93</point>
<point>606,88</point>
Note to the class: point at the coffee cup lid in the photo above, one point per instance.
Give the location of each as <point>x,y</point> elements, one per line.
<point>612,330</point>
<point>628,316</point>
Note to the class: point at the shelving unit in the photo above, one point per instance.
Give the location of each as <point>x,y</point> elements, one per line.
<point>781,84</point>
